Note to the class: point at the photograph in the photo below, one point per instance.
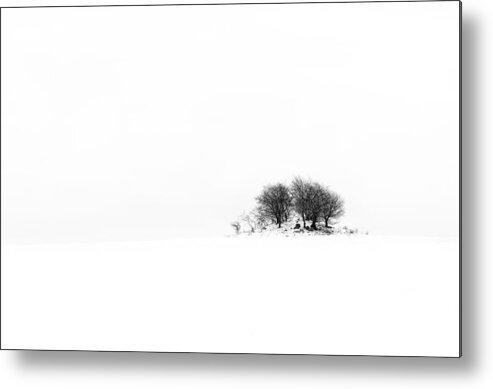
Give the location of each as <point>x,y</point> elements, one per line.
<point>271,178</point>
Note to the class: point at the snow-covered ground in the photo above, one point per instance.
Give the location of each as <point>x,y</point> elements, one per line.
<point>336,294</point>
<point>288,229</point>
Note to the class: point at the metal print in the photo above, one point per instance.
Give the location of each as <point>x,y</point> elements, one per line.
<point>232,178</point>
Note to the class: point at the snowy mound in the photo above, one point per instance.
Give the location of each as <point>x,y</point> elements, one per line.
<point>293,227</point>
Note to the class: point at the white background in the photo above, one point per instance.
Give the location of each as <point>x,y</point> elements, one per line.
<point>138,123</point>
<point>107,370</point>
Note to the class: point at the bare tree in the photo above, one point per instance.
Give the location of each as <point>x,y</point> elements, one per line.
<point>236,226</point>
<point>249,221</point>
<point>307,200</point>
<point>314,203</point>
<point>300,193</point>
<point>275,203</point>
<point>261,221</point>
<point>253,221</point>
<point>332,206</point>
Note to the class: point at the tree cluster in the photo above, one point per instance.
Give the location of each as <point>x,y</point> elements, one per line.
<point>310,200</point>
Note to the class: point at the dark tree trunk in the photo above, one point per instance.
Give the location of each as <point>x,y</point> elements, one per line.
<point>314,225</point>
<point>327,222</point>
<point>304,221</point>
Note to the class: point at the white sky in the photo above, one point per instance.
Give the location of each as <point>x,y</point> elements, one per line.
<point>150,122</point>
